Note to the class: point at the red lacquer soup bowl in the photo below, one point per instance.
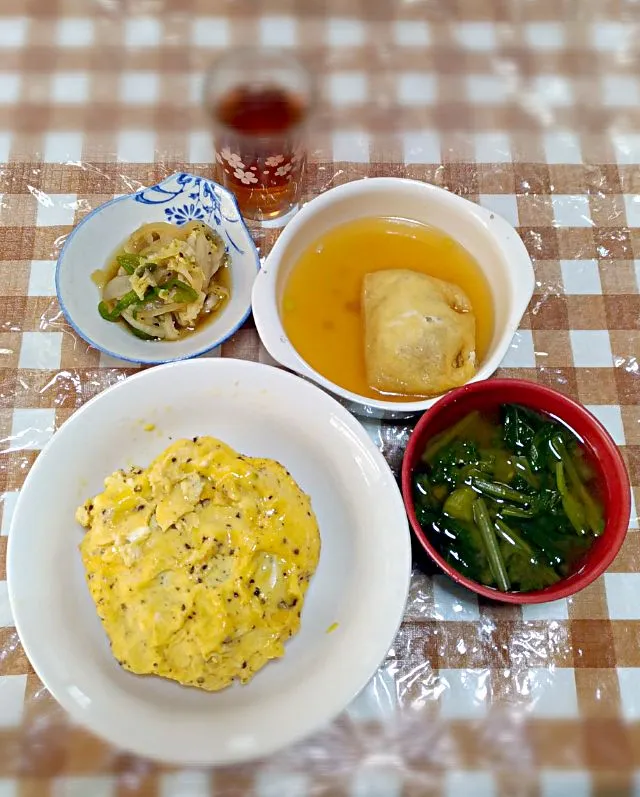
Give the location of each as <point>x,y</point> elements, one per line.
<point>610,470</point>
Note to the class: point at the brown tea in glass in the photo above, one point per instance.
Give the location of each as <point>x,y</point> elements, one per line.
<point>259,101</point>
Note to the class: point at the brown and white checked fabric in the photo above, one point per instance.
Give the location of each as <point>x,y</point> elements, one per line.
<point>531,108</point>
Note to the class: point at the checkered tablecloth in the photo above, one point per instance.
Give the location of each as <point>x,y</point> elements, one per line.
<point>529,107</point>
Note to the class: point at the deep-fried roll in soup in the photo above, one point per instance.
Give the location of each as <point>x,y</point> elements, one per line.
<point>420,333</point>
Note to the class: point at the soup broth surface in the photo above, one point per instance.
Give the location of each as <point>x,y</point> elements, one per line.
<point>321,305</point>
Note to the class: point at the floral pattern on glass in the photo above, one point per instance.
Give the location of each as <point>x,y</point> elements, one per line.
<point>282,168</point>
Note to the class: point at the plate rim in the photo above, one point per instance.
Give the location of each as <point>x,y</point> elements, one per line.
<point>299,733</point>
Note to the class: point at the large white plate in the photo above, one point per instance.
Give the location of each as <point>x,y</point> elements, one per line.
<point>361,582</point>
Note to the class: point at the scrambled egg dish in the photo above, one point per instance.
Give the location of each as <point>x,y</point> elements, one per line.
<point>199,564</point>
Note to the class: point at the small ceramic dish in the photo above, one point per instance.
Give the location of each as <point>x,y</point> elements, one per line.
<point>605,457</point>
<point>490,239</point>
<point>177,199</point>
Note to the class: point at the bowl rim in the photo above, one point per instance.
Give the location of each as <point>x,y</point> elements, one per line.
<point>616,528</point>
<point>150,360</point>
<point>265,304</point>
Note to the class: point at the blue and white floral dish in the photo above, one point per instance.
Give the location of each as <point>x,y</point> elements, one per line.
<point>177,199</point>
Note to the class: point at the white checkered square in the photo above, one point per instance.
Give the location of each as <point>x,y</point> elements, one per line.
<point>581,277</point>
<point>139,88</point>
<point>70,88</point>
<point>611,36</point>
<point>376,781</point>
<point>521,353</point>
<point>142,32</point>
<point>466,693</point>
<point>279,783</point>
<point>610,417</point>
<point>5,146</point>
<point>452,601</point>
<point>591,348</point>
<point>417,88</point>
<point>486,89</point>
<point>210,32</point>
<point>75,32</point>
<point>9,501</point>
<point>8,787</point>
<point>421,146</point>
<point>84,785</point>
<point>411,33</point>
<point>56,210</point>
<point>627,148</point>
<point>465,784</point>
<point>629,682</point>
<point>136,146</point>
<point>620,91</point>
<point>492,147</point>
<point>553,90</point>
<point>622,595</point>
<point>107,361</point>
<point>562,146</point>
<point>632,209</point>
<point>377,701</point>
<point>12,689</point>
<point>564,783</point>
<point>351,145</point>
<point>278,31</point>
<point>633,520</point>
<point>571,210</point>
<point>552,693</point>
<point>32,428</point>
<point>200,147</point>
<point>63,147</point>
<point>41,350</point>
<point>13,32</point>
<point>344,32</point>
<point>505,205</point>
<point>544,35</point>
<point>191,783</point>
<point>348,88</point>
<point>554,610</point>
<point>6,616</point>
<point>196,87</point>
<point>42,278</point>
<point>479,36</point>
<point>9,88</point>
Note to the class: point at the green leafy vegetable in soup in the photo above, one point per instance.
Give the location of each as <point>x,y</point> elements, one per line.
<point>509,498</point>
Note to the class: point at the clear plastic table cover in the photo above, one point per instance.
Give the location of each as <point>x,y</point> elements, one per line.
<point>530,108</point>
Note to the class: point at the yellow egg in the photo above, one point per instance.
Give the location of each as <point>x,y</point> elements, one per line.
<point>199,564</point>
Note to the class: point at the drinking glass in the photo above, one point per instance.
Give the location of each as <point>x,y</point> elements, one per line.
<point>259,101</point>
